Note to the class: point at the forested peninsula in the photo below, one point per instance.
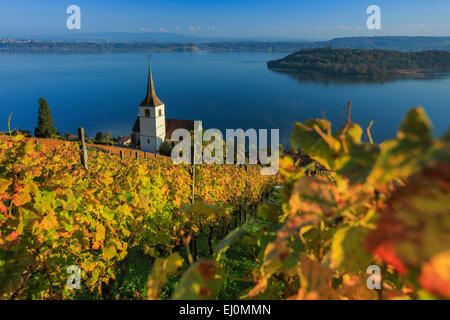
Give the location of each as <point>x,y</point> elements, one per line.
<point>363,62</point>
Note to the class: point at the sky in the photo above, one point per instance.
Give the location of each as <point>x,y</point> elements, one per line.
<point>246,19</point>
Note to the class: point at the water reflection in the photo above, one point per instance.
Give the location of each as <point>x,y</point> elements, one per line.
<point>327,79</point>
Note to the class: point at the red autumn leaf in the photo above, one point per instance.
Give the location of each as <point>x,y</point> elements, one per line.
<point>12,236</point>
<point>21,198</point>
<point>49,222</point>
<point>3,208</point>
<point>386,251</point>
<point>415,224</point>
<point>435,276</point>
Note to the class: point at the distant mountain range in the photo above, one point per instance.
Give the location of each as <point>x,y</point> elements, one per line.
<point>391,43</point>
<point>384,43</point>
<point>176,42</point>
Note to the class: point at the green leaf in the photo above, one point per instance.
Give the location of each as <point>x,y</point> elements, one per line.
<point>359,162</point>
<point>162,269</point>
<point>198,282</point>
<point>199,208</point>
<point>399,158</point>
<point>109,251</point>
<point>348,252</point>
<point>225,244</point>
<point>88,265</point>
<point>270,211</point>
<point>416,126</point>
<point>108,214</point>
<point>68,227</point>
<point>4,185</point>
<point>308,140</point>
<point>353,134</point>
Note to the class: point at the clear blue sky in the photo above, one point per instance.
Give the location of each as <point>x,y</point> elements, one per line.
<point>310,19</point>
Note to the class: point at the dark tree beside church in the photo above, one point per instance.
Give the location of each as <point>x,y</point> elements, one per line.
<point>99,137</point>
<point>45,127</point>
<point>165,149</point>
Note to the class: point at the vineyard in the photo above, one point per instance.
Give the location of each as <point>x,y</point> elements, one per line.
<point>133,228</point>
<point>54,214</point>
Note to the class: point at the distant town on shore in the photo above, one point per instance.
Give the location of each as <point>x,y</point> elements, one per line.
<point>100,44</point>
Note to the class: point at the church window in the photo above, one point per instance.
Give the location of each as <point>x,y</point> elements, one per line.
<point>147,112</point>
<point>159,113</point>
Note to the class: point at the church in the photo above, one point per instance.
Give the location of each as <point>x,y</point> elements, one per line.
<point>152,127</point>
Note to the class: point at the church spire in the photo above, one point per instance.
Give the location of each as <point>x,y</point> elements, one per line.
<point>151,100</point>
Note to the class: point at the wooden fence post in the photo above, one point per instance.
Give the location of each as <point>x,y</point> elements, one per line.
<point>193,244</point>
<point>210,240</point>
<point>193,182</point>
<point>246,191</point>
<point>137,155</point>
<point>83,150</point>
<point>246,178</point>
<point>121,154</point>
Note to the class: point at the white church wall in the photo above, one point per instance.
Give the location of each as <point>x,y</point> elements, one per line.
<point>152,130</point>
<point>147,126</point>
<point>161,131</point>
<point>150,144</point>
<point>152,127</point>
<point>160,122</point>
<point>153,111</point>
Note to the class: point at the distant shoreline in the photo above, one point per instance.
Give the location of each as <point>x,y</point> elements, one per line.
<point>404,44</point>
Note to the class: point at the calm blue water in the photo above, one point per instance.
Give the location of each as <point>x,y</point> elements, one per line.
<point>101,92</point>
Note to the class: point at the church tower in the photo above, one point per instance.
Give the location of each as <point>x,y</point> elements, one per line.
<point>151,117</point>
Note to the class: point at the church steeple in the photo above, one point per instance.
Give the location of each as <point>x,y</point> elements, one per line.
<point>151,99</point>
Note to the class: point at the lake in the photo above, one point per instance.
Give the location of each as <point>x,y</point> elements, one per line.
<point>101,92</point>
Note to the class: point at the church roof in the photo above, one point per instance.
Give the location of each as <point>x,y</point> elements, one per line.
<point>151,100</point>
<point>173,124</point>
<point>137,126</point>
